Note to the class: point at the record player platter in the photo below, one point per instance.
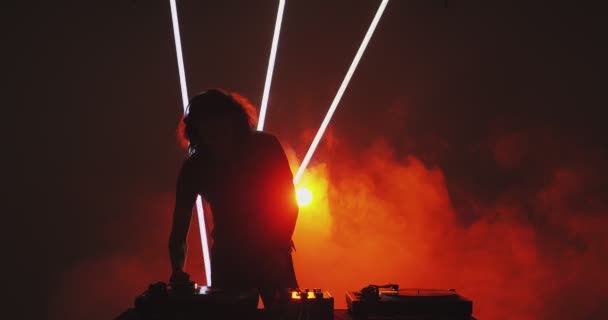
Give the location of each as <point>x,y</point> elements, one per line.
<point>414,303</point>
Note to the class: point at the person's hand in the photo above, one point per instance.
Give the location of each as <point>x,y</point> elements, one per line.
<point>179,277</point>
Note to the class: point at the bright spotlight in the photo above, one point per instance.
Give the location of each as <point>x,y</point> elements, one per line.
<point>273,54</point>
<point>336,101</point>
<point>304,196</point>
<point>184,91</point>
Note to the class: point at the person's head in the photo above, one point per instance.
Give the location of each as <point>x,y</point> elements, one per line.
<point>216,120</point>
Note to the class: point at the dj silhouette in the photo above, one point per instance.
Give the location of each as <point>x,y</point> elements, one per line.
<point>246,180</point>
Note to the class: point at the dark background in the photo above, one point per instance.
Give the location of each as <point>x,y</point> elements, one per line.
<point>506,100</point>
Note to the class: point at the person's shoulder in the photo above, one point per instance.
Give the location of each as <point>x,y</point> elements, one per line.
<point>265,138</point>
<point>267,143</point>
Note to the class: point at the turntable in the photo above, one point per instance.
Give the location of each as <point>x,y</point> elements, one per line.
<point>390,301</point>
<point>189,301</point>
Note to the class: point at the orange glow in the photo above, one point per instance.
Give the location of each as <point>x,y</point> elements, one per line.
<point>304,196</point>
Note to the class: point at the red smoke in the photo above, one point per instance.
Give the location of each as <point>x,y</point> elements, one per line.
<point>536,252</point>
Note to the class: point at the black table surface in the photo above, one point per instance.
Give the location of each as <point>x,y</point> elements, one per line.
<point>339,314</point>
<point>131,314</point>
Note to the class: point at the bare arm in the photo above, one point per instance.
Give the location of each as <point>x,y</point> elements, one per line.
<point>185,196</point>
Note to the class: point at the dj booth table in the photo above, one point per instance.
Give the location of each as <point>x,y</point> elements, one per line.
<point>339,314</point>
<point>192,302</point>
<point>131,314</point>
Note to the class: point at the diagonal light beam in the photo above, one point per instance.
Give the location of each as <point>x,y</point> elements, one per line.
<point>269,72</point>
<point>336,101</point>
<point>184,91</point>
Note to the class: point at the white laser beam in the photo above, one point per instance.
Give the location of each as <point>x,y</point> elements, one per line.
<point>180,55</point>
<point>336,101</point>
<point>184,91</point>
<point>270,70</point>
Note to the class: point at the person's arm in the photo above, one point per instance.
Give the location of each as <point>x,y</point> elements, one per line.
<point>185,196</point>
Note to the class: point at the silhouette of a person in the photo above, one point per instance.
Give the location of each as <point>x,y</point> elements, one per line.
<point>245,178</point>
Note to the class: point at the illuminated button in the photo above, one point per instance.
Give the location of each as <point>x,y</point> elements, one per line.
<point>295,295</point>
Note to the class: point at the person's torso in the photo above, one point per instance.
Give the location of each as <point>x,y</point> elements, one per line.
<point>237,191</point>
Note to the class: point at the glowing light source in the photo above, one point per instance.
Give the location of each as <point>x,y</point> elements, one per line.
<point>273,54</point>
<point>304,196</point>
<point>184,92</point>
<point>336,101</point>
<point>299,295</point>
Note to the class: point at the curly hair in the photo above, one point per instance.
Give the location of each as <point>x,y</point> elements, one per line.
<point>213,104</point>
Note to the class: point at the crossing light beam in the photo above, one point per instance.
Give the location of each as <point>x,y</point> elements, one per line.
<point>270,70</point>
<point>184,92</point>
<point>336,101</point>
